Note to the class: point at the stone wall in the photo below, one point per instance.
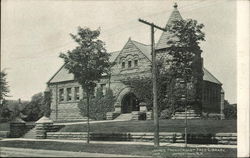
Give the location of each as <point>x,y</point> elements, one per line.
<point>68,110</point>
<point>130,53</point>
<point>165,137</point>
<point>65,110</point>
<point>211,98</point>
<point>4,134</point>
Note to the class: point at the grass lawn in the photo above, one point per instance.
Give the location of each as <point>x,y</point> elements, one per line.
<point>142,150</point>
<point>194,126</point>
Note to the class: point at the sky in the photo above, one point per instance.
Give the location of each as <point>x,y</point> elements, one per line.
<point>34,32</point>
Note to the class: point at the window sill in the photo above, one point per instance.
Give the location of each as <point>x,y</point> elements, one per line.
<point>132,68</point>
<point>71,101</point>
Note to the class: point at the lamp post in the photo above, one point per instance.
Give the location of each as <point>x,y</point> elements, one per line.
<point>184,100</point>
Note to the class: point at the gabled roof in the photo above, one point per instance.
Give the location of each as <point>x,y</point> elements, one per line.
<point>145,49</point>
<point>209,77</point>
<point>63,74</point>
<point>113,55</point>
<point>175,16</point>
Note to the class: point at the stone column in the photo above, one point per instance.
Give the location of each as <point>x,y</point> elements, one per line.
<point>43,125</point>
<point>143,107</point>
<point>149,115</point>
<point>17,128</point>
<point>222,97</point>
<point>117,107</point>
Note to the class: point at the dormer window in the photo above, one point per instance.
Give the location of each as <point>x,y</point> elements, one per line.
<point>136,62</point>
<point>123,65</point>
<point>129,64</point>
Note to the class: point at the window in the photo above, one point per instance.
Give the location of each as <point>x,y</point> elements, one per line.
<point>136,62</point>
<point>123,65</point>
<point>61,94</point>
<point>69,94</point>
<point>77,95</point>
<point>129,64</point>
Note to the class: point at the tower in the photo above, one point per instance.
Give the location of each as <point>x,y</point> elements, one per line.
<point>194,92</point>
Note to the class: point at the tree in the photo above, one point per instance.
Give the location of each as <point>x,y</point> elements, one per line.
<point>4,88</point>
<point>185,62</point>
<point>88,61</point>
<point>230,111</point>
<point>38,106</point>
<point>34,109</point>
<point>46,103</point>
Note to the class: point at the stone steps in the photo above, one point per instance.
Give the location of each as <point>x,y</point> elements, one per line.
<point>127,116</point>
<point>190,115</point>
<point>31,133</point>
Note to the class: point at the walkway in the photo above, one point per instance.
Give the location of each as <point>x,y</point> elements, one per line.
<point>25,152</point>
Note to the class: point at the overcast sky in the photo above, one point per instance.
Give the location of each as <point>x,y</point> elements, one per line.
<point>33,33</point>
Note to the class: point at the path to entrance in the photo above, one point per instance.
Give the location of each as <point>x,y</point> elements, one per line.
<point>26,152</point>
<point>126,142</point>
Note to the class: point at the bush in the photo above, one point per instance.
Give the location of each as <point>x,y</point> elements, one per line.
<point>38,106</point>
<point>99,105</point>
<point>230,112</point>
<point>9,110</point>
<point>166,114</point>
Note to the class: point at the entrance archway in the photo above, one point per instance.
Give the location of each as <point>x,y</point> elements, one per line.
<point>129,103</point>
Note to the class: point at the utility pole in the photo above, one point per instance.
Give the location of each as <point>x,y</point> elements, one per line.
<point>154,71</point>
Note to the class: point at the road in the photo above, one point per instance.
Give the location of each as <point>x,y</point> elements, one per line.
<point>25,152</point>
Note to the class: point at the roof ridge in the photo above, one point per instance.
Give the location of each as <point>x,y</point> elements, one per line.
<point>141,43</point>
<point>211,75</point>
<point>140,49</point>
<point>114,52</point>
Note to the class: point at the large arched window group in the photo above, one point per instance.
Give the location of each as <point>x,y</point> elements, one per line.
<point>129,61</point>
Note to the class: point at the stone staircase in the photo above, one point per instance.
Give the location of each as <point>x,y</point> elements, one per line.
<point>190,115</point>
<point>30,134</point>
<point>127,116</point>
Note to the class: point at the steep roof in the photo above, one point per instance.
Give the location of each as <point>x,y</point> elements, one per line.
<point>113,55</point>
<point>175,16</point>
<point>209,77</point>
<point>145,49</point>
<point>63,74</point>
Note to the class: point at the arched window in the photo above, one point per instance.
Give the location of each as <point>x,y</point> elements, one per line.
<point>136,63</point>
<point>129,64</point>
<point>123,64</point>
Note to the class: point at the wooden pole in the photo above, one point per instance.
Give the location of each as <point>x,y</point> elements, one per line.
<point>156,118</point>
<point>154,80</point>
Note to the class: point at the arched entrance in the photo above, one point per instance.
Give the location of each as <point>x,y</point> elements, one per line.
<point>129,103</point>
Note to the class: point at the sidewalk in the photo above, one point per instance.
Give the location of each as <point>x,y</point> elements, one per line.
<point>124,142</point>
<point>26,152</point>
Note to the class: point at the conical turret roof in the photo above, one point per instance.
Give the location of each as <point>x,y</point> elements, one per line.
<point>175,16</point>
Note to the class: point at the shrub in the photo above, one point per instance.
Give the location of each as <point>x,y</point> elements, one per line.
<point>99,105</point>
<point>166,114</point>
<point>230,112</point>
<point>38,106</point>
